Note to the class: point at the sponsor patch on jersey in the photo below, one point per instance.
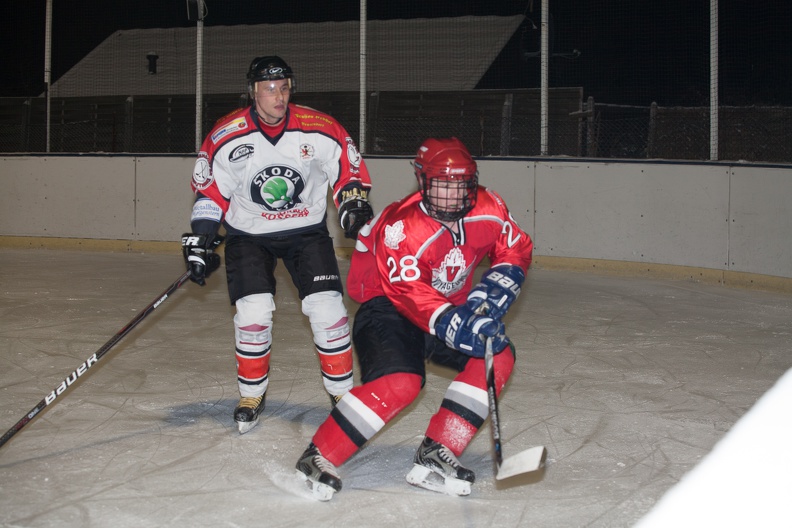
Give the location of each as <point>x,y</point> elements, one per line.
<point>307,151</point>
<point>450,277</point>
<point>202,174</point>
<point>394,235</point>
<point>352,153</point>
<point>277,187</point>
<point>240,123</point>
<point>241,153</point>
<point>283,215</point>
<point>319,120</point>
<point>206,209</point>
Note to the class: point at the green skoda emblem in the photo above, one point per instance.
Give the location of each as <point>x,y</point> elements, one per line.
<point>277,188</point>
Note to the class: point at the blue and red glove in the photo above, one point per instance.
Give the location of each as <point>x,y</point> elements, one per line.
<point>499,287</point>
<point>464,330</point>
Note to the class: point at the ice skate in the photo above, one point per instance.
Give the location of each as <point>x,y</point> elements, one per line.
<point>335,398</point>
<point>319,474</point>
<point>247,412</point>
<point>437,469</point>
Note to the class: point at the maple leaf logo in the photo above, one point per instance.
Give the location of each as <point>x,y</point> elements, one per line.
<point>394,235</point>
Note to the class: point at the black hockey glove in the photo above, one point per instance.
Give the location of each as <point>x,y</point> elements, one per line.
<point>354,211</point>
<point>200,256</point>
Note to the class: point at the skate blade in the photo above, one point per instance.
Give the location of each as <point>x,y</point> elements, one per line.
<point>525,462</point>
<point>319,491</point>
<point>425,478</point>
<point>244,427</point>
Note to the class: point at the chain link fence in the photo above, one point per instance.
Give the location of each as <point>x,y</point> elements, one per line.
<point>627,80</point>
<point>757,134</point>
<point>490,122</point>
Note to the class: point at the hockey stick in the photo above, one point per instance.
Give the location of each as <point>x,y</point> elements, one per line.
<point>91,361</point>
<point>526,461</point>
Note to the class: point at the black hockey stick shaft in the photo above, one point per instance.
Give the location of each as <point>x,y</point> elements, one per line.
<point>489,369</point>
<point>492,395</point>
<point>91,361</point>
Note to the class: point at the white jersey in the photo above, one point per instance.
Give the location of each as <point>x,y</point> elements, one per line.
<point>279,185</point>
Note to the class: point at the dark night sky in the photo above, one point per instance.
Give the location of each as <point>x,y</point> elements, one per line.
<point>631,51</point>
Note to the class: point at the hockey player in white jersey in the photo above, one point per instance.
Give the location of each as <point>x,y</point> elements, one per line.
<point>263,173</point>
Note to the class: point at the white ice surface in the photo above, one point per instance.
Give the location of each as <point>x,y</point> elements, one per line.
<point>628,382</point>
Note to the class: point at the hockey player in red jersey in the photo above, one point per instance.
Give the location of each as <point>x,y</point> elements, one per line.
<point>412,271</point>
<point>263,172</point>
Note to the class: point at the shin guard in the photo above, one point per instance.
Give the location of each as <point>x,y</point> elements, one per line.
<point>330,326</point>
<point>253,343</point>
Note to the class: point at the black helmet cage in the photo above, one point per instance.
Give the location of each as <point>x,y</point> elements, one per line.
<point>446,209</point>
<point>271,68</point>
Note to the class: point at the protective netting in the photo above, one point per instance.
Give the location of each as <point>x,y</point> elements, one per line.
<point>626,79</point>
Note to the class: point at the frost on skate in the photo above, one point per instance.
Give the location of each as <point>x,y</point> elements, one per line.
<point>437,469</point>
<point>319,474</point>
<point>425,478</point>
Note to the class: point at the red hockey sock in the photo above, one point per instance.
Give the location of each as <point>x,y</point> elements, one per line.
<point>362,413</point>
<point>455,423</point>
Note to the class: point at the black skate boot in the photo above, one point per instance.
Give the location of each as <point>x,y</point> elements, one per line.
<point>247,412</point>
<point>335,398</point>
<point>319,474</point>
<point>437,469</point>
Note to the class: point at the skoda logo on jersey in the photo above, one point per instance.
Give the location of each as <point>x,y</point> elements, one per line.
<point>277,188</point>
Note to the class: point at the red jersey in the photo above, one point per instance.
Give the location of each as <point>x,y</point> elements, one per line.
<point>423,266</point>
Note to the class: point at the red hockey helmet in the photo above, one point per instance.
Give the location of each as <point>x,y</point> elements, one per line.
<point>448,178</point>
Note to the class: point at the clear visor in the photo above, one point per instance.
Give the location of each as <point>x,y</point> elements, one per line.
<point>272,88</point>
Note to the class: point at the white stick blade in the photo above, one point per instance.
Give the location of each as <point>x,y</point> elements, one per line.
<point>529,460</point>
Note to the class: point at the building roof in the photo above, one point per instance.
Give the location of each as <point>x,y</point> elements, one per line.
<point>438,54</point>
